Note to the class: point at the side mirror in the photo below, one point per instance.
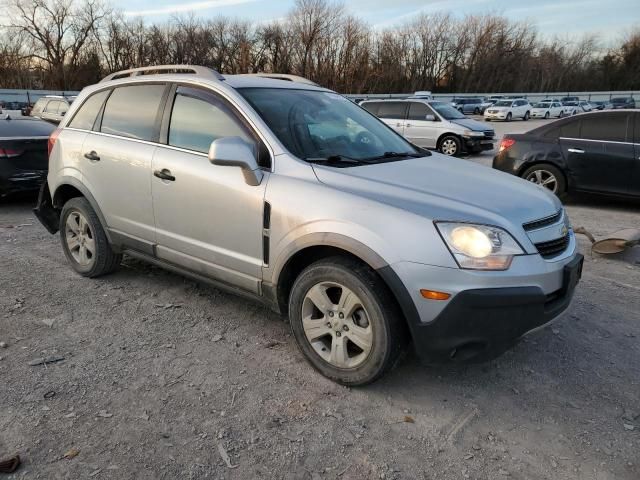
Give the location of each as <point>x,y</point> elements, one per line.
<point>430,118</point>
<point>235,152</point>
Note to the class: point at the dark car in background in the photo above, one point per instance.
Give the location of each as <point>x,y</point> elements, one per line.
<point>23,153</point>
<point>623,102</point>
<point>595,152</point>
<point>601,105</point>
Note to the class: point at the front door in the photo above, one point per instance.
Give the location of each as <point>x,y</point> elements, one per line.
<point>207,218</point>
<point>420,131</point>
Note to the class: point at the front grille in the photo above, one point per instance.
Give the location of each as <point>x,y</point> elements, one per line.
<point>553,248</point>
<point>489,134</point>
<point>543,222</point>
<point>493,111</point>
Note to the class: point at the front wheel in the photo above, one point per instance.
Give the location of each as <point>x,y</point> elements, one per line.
<point>345,321</point>
<point>509,117</point>
<point>548,176</point>
<point>84,241</point>
<point>450,145</point>
<point>476,111</point>
<point>546,116</point>
<point>526,116</point>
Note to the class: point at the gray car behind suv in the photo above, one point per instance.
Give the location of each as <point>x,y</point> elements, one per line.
<point>291,194</point>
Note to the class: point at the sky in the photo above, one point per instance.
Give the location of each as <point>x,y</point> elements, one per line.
<point>608,19</point>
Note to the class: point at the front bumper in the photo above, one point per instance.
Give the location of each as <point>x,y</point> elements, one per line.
<point>495,116</point>
<point>487,313</point>
<point>478,144</point>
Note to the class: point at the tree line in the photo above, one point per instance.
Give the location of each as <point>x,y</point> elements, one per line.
<point>68,44</point>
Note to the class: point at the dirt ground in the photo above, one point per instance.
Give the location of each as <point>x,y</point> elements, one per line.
<point>162,378</point>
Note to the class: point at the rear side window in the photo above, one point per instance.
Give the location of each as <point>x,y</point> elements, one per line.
<point>196,122</point>
<point>52,106</point>
<point>612,127</point>
<point>131,111</point>
<point>371,107</point>
<point>86,116</point>
<point>394,110</point>
<point>418,111</point>
<point>39,105</point>
<point>568,129</point>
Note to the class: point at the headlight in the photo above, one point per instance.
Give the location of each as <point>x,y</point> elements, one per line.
<point>471,133</point>
<point>479,247</point>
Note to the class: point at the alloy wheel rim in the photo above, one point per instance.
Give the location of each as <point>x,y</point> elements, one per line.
<point>80,239</point>
<point>449,147</point>
<point>337,325</point>
<point>544,178</point>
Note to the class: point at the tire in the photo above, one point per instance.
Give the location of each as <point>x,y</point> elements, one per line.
<point>526,116</point>
<point>487,119</point>
<point>476,111</point>
<point>83,240</point>
<point>546,116</point>
<point>542,172</point>
<point>450,145</point>
<point>509,117</point>
<point>327,337</point>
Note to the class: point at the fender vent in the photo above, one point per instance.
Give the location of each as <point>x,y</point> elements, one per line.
<point>266,225</point>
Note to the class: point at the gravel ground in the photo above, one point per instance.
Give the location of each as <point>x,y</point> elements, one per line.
<point>163,378</point>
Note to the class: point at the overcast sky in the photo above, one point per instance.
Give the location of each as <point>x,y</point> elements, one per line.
<point>608,18</point>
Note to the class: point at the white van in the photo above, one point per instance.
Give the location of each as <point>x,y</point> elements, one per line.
<point>433,124</point>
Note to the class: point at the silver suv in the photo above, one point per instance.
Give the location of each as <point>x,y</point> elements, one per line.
<point>293,195</point>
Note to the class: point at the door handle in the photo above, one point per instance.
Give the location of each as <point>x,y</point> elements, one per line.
<point>407,125</point>
<point>575,150</point>
<point>398,124</point>
<point>164,174</point>
<point>92,155</point>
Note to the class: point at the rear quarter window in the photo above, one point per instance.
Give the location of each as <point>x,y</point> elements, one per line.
<point>371,107</point>
<point>395,110</point>
<point>85,117</point>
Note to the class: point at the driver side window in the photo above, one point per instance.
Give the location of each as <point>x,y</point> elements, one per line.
<point>196,122</point>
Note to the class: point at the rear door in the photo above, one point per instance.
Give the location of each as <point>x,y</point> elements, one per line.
<point>601,158</point>
<point>393,114</point>
<point>117,160</point>
<point>635,183</point>
<point>418,129</point>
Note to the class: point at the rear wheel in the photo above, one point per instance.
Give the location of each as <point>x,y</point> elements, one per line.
<point>450,145</point>
<point>345,321</point>
<point>84,241</point>
<point>548,176</point>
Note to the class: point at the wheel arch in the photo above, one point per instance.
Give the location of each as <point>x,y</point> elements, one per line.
<point>71,187</point>
<point>311,250</point>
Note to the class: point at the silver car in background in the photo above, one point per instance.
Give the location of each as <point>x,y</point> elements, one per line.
<point>432,124</point>
<point>292,195</point>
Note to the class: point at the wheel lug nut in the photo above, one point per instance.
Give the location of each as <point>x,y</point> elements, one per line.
<point>331,314</point>
<point>341,315</point>
<point>328,324</point>
<point>345,328</point>
<point>338,334</point>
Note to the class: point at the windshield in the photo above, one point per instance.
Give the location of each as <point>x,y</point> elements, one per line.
<point>542,105</point>
<point>503,103</point>
<point>446,111</point>
<point>316,125</point>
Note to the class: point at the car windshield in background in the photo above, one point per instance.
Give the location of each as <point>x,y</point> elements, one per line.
<point>446,111</point>
<point>619,100</point>
<point>324,126</point>
<point>542,105</point>
<point>503,103</point>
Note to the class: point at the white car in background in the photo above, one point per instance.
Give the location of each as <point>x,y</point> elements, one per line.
<point>508,109</point>
<point>571,108</point>
<point>547,110</point>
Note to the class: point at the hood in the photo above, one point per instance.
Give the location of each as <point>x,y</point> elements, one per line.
<point>471,124</point>
<point>439,187</point>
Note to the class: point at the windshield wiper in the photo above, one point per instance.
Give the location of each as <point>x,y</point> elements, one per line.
<point>396,155</point>
<point>334,159</point>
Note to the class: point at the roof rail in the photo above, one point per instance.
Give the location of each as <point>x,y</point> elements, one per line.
<point>160,69</point>
<point>284,76</point>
